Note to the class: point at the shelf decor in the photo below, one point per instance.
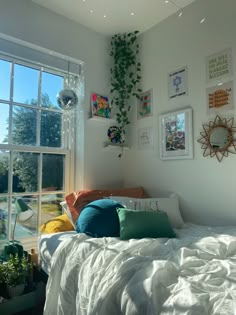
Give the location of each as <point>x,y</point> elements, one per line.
<point>100,106</point>
<point>115,135</point>
<point>176,135</point>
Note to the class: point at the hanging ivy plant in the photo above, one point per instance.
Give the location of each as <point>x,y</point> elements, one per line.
<point>125,77</point>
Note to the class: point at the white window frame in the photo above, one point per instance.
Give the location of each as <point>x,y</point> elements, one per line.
<point>67,148</point>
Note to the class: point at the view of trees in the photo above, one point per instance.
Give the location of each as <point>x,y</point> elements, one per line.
<point>25,164</point>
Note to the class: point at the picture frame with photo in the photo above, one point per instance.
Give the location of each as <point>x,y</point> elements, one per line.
<point>100,106</point>
<point>176,136</point>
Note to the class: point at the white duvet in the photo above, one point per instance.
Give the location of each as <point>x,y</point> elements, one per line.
<point>193,274</point>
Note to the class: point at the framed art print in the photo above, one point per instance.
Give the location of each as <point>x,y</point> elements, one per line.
<point>176,135</point>
<point>100,106</point>
<point>219,65</point>
<point>145,138</point>
<point>145,104</point>
<point>178,83</point>
<point>220,97</point>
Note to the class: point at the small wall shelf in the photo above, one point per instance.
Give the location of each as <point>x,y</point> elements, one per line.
<point>103,120</point>
<point>115,147</point>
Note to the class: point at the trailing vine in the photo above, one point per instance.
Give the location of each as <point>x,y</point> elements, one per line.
<point>125,77</point>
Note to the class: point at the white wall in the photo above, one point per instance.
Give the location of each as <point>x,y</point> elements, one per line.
<point>27,21</point>
<point>205,186</point>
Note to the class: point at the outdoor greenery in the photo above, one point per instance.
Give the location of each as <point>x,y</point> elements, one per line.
<point>25,164</point>
<point>125,76</point>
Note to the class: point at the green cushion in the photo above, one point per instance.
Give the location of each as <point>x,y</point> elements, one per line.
<point>141,224</point>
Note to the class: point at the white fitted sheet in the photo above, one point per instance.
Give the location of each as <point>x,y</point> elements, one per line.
<point>47,245</point>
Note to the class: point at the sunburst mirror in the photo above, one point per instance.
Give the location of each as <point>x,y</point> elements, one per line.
<point>218,138</point>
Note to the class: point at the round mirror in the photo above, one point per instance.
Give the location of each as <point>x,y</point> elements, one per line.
<point>219,138</point>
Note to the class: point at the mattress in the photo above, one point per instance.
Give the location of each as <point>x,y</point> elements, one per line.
<point>48,244</point>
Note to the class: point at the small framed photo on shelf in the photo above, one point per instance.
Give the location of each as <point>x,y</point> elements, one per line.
<point>100,106</point>
<point>145,104</point>
<point>176,135</point>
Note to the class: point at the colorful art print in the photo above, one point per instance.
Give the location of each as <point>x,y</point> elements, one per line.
<point>220,97</point>
<point>145,138</point>
<point>219,65</point>
<point>178,83</point>
<point>176,135</point>
<point>100,106</point>
<point>145,104</point>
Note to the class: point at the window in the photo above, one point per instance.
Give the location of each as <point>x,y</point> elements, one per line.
<point>34,149</point>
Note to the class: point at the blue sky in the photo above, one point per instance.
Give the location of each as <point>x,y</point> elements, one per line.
<point>25,88</point>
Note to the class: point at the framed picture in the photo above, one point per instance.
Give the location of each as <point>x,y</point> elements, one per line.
<point>219,65</point>
<point>178,83</point>
<point>145,138</point>
<point>145,104</point>
<point>100,106</point>
<point>220,97</point>
<point>176,135</point>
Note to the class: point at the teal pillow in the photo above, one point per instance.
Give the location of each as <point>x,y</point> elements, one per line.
<point>99,219</point>
<point>141,224</point>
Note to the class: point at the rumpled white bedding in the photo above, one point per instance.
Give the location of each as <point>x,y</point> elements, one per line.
<point>193,274</point>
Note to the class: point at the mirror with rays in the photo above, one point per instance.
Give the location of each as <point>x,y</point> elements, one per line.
<point>218,138</point>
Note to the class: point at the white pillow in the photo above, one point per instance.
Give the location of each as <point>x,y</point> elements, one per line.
<point>67,211</point>
<point>168,205</point>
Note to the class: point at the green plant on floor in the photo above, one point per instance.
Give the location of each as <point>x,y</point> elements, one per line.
<point>125,77</point>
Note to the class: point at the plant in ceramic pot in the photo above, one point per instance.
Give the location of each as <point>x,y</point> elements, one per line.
<point>14,274</point>
<point>125,77</point>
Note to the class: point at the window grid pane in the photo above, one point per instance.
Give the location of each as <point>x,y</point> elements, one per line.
<point>29,125</point>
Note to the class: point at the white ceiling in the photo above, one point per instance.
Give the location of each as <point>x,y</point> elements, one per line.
<point>116,16</point>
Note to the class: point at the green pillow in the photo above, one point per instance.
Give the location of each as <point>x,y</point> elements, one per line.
<point>141,224</point>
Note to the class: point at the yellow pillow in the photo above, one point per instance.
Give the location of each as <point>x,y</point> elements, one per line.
<point>58,224</point>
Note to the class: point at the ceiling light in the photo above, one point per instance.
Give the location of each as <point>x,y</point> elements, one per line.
<point>202,20</point>
<point>132,13</point>
<point>104,16</point>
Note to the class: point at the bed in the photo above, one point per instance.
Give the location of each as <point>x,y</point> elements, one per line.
<point>194,273</point>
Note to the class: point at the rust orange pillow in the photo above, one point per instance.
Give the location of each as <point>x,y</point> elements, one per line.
<point>57,224</point>
<point>77,200</point>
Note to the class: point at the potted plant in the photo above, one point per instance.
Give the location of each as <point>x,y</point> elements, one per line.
<point>14,274</point>
<point>125,78</point>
